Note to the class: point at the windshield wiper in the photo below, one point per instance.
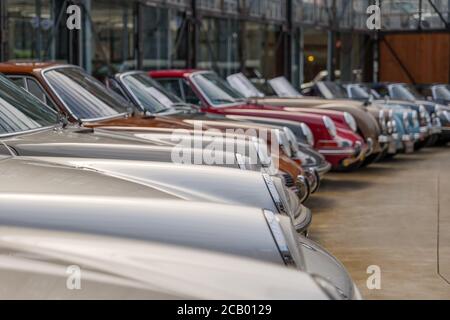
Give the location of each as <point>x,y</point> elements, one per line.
<point>223,101</point>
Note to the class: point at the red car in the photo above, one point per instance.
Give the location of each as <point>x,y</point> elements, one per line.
<point>341,146</point>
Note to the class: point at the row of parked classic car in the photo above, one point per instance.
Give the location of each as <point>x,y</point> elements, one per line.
<point>87,179</point>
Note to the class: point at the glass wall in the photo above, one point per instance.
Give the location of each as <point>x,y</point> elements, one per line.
<point>315,53</point>
<point>219,45</point>
<point>164,38</point>
<point>113,37</point>
<point>29,26</point>
<point>263,43</point>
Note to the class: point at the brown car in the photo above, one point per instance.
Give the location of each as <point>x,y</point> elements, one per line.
<point>82,99</point>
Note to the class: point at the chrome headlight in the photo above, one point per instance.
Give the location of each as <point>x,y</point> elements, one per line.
<point>308,134</point>
<point>292,139</point>
<point>313,178</point>
<point>273,221</point>
<point>391,115</point>
<point>351,122</point>
<point>263,156</point>
<point>283,142</point>
<point>390,127</point>
<point>394,126</point>
<point>423,112</point>
<point>330,125</point>
<point>382,120</point>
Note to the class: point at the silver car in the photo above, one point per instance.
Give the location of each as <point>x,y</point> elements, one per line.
<point>67,195</point>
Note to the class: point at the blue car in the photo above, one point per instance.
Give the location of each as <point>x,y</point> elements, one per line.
<point>413,120</point>
<point>406,120</point>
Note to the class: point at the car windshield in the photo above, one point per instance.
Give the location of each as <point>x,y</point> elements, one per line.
<point>21,111</point>
<point>359,92</point>
<point>404,92</point>
<point>284,88</point>
<point>332,90</point>
<point>241,83</point>
<point>85,97</point>
<point>216,90</point>
<point>150,94</point>
<point>442,92</point>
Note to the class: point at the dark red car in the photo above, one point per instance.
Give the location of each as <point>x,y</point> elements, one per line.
<point>341,146</point>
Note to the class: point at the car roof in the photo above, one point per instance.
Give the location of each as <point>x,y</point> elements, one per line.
<point>179,73</point>
<point>26,66</point>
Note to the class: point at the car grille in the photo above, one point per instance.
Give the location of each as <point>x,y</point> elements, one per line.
<point>290,182</point>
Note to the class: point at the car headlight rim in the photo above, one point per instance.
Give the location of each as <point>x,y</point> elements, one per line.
<point>382,120</point>
<point>273,221</point>
<point>330,125</point>
<point>351,122</point>
<point>307,132</point>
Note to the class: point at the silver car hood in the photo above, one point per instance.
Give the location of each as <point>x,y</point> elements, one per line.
<point>224,228</point>
<point>113,268</point>
<point>144,145</point>
<point>134,179</point>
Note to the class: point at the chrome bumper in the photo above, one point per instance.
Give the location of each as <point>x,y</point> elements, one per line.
<point>384,139</point>
<point>370,147</point>
<point>324,169</point>
<point>303,221</point>
<point>313,178</point>
<point>303,188</point>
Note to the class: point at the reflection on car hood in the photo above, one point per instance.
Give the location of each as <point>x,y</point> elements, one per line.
<point>146,145</point>
<point>113,268</point>
<point>134,179</point>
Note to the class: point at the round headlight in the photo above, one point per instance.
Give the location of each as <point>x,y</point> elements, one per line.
<point>391,115</point>
<point>283,142</point>
<point>351,122</point>
<point>262,152</point>
<point>308,134</point>
<point>382,120</point>
<point>422,111</point>
<point>329,124</point>
<point>292,140</point>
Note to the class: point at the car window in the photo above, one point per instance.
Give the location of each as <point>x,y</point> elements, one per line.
<point>173,85</point>
<point>36,90</point>
<point>21,111</point>
<point>20,81</point>
<point>189,94</point>
<point>114,86</point>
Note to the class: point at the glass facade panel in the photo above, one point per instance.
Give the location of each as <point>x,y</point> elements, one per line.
<point>406,14</point>
<point>263,44</point>
<point>315,53</point>
<point>29,26</point>
<point>164,38</point>
<point>218,47</point>
<point>113,41</point>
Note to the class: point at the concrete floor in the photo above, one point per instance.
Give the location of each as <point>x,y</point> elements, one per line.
<point>395,215</point>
